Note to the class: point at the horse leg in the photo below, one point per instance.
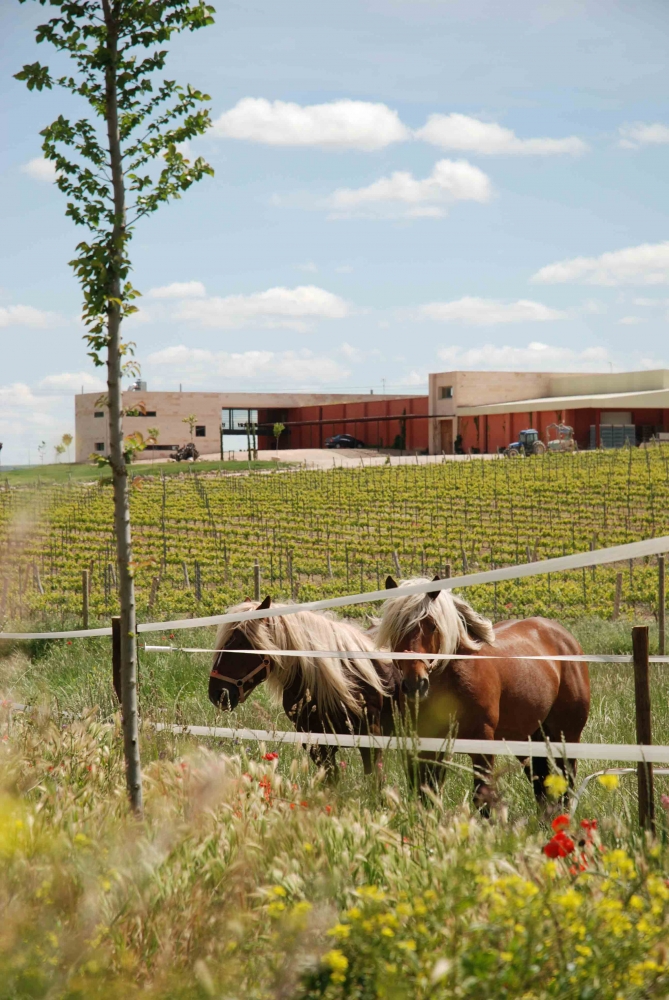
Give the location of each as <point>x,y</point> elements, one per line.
<point>537,770</point>
<point>485,796</point>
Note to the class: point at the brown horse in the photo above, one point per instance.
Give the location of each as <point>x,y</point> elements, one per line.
<point>486,699</point>
<point>318,694</point>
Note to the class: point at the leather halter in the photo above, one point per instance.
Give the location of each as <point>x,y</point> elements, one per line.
<point>240,683</point>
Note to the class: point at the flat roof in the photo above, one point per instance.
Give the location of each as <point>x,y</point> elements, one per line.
<point>651,398</point>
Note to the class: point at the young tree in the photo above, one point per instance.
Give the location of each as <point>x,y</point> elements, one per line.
<point>117,165</point>
<point>279,428</point>
<point>66,441</point>
<point>191,420</point>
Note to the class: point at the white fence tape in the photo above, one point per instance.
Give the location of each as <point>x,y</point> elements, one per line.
<point>384,654</point>
<point>598,557</point>
<point>515,748</point>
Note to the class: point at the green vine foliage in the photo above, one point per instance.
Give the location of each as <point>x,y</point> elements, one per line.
<point>154,118</point>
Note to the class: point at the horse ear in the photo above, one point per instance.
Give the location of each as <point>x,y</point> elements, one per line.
<point>265,604</point>
<point>247,600</point>
<point>390,583</point>
<point>433,594</point>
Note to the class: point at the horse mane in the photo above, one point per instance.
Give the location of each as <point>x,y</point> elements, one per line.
<point>332,683</point>
<point>458,625</point>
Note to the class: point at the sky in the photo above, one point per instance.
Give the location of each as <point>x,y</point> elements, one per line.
<point>401,187</point>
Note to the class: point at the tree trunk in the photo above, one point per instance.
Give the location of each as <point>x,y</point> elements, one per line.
<point>126,583</point>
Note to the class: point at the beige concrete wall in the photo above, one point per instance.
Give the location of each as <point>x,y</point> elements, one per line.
<point>588,384</point>
<point>172,407</point>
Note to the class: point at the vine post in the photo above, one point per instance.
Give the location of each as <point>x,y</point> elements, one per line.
<point>643,725</point>
<point>116,165</point>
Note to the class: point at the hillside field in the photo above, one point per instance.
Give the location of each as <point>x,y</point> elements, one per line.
<point>327,533</point>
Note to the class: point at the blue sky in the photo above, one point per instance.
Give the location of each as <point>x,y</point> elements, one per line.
<point>402,186</point>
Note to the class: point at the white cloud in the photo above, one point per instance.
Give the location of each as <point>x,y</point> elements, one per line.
<point>285,367</point>
<point>489,312</point>
<point>413,378</point>
<point>356,355</point>
<point>67,383</point>
<point>27,419</point>
<point>292,308</point>
<point>341,124</point>
<point>640,134</point>
<point>40,169</point>
<point>37,319</point>
<point>630,320</point>
<point>402,194</point>
<point>179,290</point>
<point>647,264</point>
<point>535,357</point>
<point>467,134</point>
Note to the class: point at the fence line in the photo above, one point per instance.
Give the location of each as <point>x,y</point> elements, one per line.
<point>385,654</point>
<point>514,748</point>
<point>581,560</point>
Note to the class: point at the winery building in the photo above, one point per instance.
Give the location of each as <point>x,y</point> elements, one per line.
<point>466,412</point>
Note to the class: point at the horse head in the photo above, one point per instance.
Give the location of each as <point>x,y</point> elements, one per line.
<point>420,637</point>
<point>235,675</point>
<point>437,622</point>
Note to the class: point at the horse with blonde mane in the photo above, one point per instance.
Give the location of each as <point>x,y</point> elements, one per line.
<point>357,696</point>
<point>505,698</point>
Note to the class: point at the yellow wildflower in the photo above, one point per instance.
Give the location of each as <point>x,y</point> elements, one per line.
<point>569,900</point>
<point>340,931</point>
<point>354,913</point>
<point>409,945</point>
<point>275,908</point>
<point>609,781</point>
<point>338,963</point>
<point>556,785</point>
<point>506,956</point>
<point>387,932</point>
<point>278,890</point>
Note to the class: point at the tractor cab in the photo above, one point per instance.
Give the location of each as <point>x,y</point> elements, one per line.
<point>528,443</point>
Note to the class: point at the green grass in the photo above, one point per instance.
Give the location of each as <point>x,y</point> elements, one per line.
<point>254,879</point>
<point>72,677</point>
<point>69,472</point>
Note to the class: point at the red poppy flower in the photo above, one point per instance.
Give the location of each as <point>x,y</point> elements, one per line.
<point>328,809</point>
<point>270,756</point>
<point>305,805</point>
<point>560,823</point>
<point>559,846</point>
<point>589,824</point>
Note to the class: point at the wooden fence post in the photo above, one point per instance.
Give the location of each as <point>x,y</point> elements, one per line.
<point>84,598</point>
<point>447,571</point>
<point>256,581</point>
<point>661,604</point>
<point>617,596</point>
<point>198,582</point>
<point>643,725</point>
<point>116,656</point>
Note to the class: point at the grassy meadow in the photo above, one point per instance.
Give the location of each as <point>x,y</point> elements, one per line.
<point>251,876</point>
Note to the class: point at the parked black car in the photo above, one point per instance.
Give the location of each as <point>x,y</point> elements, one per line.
<point>344,441</point>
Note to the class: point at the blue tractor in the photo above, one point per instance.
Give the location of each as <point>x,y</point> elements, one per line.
<point>528,443</point>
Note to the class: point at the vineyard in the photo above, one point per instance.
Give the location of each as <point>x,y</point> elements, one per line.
<point>325,533</point>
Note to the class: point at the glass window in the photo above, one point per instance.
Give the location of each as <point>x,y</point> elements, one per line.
<point>445,392</point>
<point>99,413</point>
<point>200,431</point>
<point>99,446</point>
